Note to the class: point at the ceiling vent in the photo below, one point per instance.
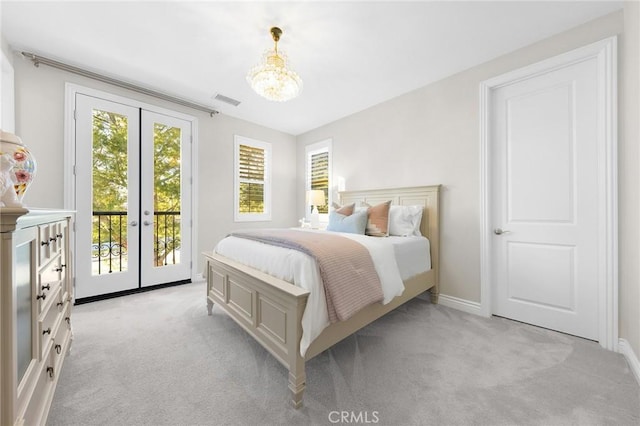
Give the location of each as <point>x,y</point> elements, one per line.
<point>226,100</point>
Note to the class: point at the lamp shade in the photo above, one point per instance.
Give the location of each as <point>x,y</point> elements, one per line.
<point>315,197</point>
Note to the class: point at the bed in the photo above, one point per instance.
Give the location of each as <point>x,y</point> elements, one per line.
<point>271,309</point>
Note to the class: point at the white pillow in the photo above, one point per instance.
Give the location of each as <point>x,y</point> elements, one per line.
<point>405,220</point>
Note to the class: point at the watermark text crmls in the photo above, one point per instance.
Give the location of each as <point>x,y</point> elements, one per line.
<point>354,417</point>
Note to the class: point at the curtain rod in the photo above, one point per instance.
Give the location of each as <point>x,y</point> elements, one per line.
<point>37,60</point>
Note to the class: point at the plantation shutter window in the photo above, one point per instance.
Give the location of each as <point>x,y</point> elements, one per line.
<point>319,178</point>
<point>252,180</point>
<point>318,175</point>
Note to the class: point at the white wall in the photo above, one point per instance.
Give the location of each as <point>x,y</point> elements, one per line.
<point>39,121</point>
<point>7,104</point>
<point>629,178</point>
<point>431,136</point>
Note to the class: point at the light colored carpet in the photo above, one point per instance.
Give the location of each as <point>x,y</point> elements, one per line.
<point>157,359</point>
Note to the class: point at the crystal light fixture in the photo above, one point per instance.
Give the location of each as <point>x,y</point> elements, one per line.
<point>271,78</point>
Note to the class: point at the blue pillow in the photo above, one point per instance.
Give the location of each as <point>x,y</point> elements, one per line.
<point>353,224</point>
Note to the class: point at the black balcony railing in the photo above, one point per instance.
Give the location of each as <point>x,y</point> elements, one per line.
<point>110,240</point>
<point>166,237</point>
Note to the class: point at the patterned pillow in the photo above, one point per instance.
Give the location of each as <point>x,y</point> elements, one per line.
<point>346,210</point>
<point>378,223</point>
<point>352,224</point>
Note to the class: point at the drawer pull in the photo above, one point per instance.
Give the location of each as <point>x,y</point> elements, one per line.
<point>58,349</point>
<point>50,371</point>
<point>52,239</point>
<point>58,269</point>
<point>44,243</point>
<point>47,331</point>
<point>59,305</point>
<point>46,287</point>
<point>68,320</point>
<point>59,236</point>
<point>63,266</point>
<point>41,296</point>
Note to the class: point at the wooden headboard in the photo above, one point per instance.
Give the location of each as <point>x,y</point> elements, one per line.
<point>427,196</point>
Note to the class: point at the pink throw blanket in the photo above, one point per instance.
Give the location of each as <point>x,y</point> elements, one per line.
<point>349,277</point>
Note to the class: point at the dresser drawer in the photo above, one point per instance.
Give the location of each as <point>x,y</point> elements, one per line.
<point>56,237</point>
<point>51,272</point>
<point>49,320</point>
<point>62,337</point>
<point>44,243</point>
<point>49,280</point>
<point>51,240</point>
<point>48,297</point>
<point>37,405</point>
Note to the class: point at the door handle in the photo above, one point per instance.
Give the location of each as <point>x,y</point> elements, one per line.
<point>499,231</point>
<point>134,223</point>
<point>146,223</point>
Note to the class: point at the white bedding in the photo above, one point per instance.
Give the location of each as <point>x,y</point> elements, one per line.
<point>395,260</point>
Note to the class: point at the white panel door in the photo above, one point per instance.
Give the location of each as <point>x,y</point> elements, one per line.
<point>544,186</point>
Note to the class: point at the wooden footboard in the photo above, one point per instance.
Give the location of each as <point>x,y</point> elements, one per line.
<point>271,309</point>
<point>268,308</point>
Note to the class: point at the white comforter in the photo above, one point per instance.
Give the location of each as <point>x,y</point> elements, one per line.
<point>300,269</point>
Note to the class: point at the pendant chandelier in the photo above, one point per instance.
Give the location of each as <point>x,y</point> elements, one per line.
<point>271,78</point>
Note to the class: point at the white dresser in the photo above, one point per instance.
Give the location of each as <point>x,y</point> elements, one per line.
<point>36,295</point>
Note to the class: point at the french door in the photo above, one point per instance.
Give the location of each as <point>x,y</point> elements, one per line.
<point>133,197</point>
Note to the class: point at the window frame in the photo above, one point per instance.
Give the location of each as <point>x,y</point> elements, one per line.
<point>267,147</point>
<point>312,149</point>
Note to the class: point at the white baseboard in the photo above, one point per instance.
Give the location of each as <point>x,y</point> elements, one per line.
<point>198,278</point>
<point>625,349</point>
<point>460,304</point>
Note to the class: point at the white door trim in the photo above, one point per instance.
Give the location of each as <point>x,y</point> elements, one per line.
<point>605,52</point>
<point>69,155</point>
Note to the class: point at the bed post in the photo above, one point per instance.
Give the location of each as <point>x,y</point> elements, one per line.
<point>434,294</point>
<point>297,381</point>
<point>207,274</point>
<point>297,375</point>
<point>433,213</point>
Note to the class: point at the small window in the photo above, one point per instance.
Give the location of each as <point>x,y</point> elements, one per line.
<point>252,180</point>
<point>318,172</point>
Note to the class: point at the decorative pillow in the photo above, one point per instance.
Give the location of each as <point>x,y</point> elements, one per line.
<point>352,224</point>
<point>405,220</point>
<point>346,210</point>
<point>378,223</point>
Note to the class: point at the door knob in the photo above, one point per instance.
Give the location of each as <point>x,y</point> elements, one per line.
<point>146,223</point>
<point>499,231</point>
<point>134,223</point>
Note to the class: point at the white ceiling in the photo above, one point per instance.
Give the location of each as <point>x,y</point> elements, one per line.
<point>350,55</point>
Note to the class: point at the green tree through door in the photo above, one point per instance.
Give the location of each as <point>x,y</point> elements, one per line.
<point>110,193</point>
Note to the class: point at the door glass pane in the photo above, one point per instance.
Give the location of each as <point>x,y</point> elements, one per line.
<point>167,194</point>
<point>109,245</point>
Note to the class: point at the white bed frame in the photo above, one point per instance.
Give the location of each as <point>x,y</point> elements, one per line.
<point>270,309</point>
